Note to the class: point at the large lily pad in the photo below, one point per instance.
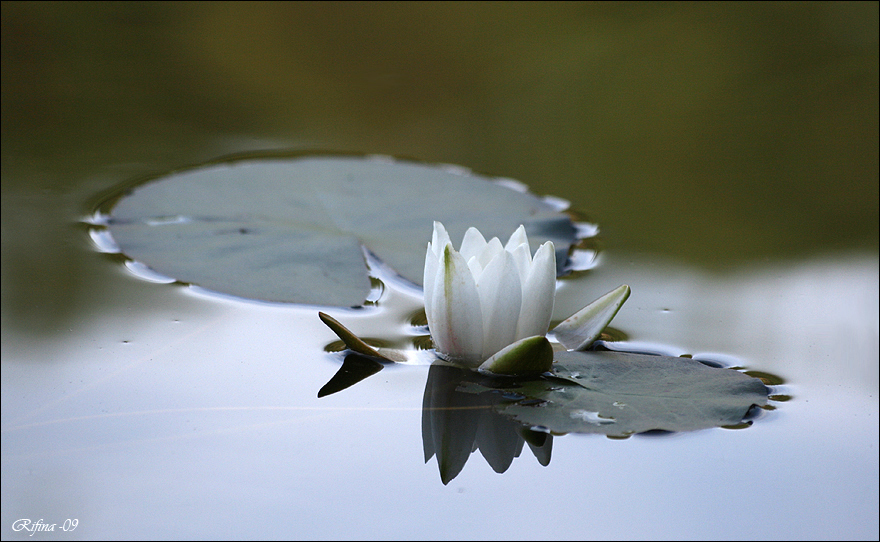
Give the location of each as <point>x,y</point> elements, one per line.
<point>619,394</point>
<point>295,229</point>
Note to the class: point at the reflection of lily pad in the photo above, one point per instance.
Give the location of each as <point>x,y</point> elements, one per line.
<point>619,394</point>
<point>292,230</point>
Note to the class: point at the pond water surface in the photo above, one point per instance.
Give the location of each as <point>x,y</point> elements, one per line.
<point>735,189</point>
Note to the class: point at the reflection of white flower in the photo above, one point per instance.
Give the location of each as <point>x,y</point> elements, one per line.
<point>487,296</point>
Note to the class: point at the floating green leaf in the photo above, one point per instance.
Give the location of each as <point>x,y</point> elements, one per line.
<point>295,229</point>
<point>619,394</point>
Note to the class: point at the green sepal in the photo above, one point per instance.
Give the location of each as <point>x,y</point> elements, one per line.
<point>356,344</point>
<point>578,331</point>
<point>532,355</point>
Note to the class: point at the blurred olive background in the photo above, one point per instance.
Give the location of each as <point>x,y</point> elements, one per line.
<point>720,134</point>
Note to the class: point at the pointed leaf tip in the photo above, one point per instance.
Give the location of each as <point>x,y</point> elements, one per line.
<point>356,344</point>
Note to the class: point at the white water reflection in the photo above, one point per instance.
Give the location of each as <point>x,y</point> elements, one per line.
<point>198,417</point>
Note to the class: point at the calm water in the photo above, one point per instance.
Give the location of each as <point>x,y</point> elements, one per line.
<point>728,154</point>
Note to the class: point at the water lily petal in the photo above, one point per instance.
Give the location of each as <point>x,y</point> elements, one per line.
<point>456,319</point>
<point>475,267</point>
<point>517,238</point>
<point>439,238</point>
<point>500,293</point>
<point>431,264</point>
<point>472,244</point>
<point>523,259</point>
<point>492,249</point>
<point>579,331</point>
<point>539,293</point>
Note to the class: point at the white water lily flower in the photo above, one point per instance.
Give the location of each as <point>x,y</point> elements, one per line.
<point>489,306</point>
<point>487,296</point>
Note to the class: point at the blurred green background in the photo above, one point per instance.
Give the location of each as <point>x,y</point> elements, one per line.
<point>716,134</point>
